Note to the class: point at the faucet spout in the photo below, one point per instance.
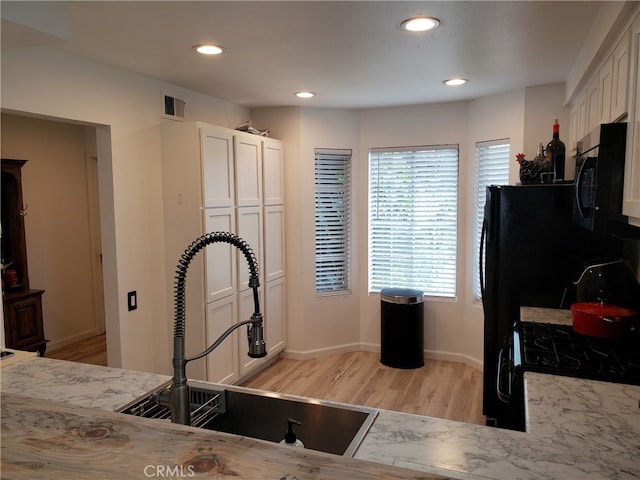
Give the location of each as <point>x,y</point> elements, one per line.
<point>178,398</point>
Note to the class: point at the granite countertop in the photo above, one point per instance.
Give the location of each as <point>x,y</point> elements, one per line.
<point>578,429</point>
<point>546,315</point>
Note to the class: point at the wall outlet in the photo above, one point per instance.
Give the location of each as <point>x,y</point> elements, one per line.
<point>132,300</point>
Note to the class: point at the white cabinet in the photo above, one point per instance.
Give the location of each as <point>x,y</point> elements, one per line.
<point>222,363</point>
<point>604,92</point>
<point>248,169</point>
<point>246,309</point>
<point>274,315</point>
<point>220,257</point>
<point>274,264</point>
<point>216,147</point>
<point>620,78</point>
<point>214,181</point>
<point>273,172</point>
<point>593,110</point>
<point>631,199</point>
<point>605,98</point>
<point>250,227</point>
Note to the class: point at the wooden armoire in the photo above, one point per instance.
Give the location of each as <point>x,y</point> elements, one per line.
<point>22,306</point>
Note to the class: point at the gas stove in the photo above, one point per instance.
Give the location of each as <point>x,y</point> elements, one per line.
<point>559,350</point>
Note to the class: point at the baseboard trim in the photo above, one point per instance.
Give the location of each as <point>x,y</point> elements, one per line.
<point>369,347</point>
<point>58,344</point>
<point>320,352</point>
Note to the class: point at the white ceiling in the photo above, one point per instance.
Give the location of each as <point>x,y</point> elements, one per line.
<point>353,54</point>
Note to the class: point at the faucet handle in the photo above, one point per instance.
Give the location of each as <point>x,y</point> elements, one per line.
<point>255,337</point>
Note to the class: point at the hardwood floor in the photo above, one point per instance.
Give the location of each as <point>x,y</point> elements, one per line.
<point>93,351</point>
<point>439,389</point>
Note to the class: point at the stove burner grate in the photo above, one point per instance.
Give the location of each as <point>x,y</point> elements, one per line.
<point>552,348</point>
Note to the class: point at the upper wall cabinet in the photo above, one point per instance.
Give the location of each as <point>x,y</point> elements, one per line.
<point>605,98</point>
<point>620,79</point>
<point>631,199</point>
<point>613,95</point>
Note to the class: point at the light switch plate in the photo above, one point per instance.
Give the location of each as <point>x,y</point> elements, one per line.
<point>132,300</point>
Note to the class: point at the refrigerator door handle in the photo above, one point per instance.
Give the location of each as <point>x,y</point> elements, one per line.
<point>577,192</point>
<point>503,396</point>
<point>483,234</point>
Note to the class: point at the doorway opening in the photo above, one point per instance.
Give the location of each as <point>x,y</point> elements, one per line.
<point>63,183</point>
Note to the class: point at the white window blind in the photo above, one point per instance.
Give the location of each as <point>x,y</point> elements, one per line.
<point>413,204</point>
<point>332,220</point>
<point>492,168</point>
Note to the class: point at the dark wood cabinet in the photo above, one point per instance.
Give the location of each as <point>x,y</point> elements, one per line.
<point>22,306</point>
<point>23,321</point>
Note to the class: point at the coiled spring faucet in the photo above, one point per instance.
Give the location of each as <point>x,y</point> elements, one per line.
<point>177,399</point>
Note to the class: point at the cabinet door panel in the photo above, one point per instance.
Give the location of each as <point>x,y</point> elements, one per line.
<point>274,242</point>
<point>273,172</point>
<point>246,308</point>
<point>606,76</point>
<point>274,316</point>
<point>250,230</point>
<point>220,257</point>
<point>216,150</point>
<point>248,170</point>
<point>631,200</point>
<point>221,363</point>
<point>620,76</point>
<point>592,104</point>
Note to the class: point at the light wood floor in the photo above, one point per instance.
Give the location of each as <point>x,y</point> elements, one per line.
<point>439,389</point>
<point>93,350</point>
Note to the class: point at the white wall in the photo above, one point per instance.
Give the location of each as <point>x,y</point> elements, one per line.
<point>126,109</point>
<point>445,123</point>
<point>316,325</point>
<point>453,328</point>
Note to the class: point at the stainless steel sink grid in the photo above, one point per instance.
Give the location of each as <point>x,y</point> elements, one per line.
<point>205,406</point>
<point>325,426</point>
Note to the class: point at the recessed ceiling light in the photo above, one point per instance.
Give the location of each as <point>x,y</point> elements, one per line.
<point>452,82</point>
<point>208,49</point>
<point>305,94</point>
<point>420,24</point>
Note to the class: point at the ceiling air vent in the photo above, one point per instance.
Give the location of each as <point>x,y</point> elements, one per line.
<point>172,107</point>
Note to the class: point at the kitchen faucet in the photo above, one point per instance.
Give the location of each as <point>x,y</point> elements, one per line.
<point>177,398</point>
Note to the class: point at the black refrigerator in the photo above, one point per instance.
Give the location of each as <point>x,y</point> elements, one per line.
<point>531,250</point>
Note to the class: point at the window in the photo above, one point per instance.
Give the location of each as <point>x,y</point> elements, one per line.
<point>413,201</point>
<point>492,168</point>
<point>333,220</point>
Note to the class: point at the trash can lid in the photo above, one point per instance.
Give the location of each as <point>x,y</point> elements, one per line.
<point>401,295</point>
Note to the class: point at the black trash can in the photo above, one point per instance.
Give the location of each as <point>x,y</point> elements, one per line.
<point>402,327</point>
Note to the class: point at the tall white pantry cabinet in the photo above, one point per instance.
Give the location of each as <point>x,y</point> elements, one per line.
<point>219,179</point>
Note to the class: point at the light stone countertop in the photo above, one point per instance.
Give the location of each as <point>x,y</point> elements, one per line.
<point>580,429</point>
<point>546,315</point>
<point>577,430</point>
<point>77,384</point>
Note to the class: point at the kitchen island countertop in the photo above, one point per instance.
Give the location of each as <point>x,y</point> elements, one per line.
<point>568,438</point>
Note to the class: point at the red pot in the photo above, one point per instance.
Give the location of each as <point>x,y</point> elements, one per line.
<point>602,320</point>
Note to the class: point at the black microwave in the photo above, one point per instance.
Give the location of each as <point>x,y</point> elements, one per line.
<point>599,182</point>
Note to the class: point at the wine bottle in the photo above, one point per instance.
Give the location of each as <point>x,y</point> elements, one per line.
<point>555,153</point>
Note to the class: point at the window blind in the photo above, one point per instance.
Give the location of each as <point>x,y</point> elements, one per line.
<point>413,200</point>
<point>492,168</point>
<point>332,220</point>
